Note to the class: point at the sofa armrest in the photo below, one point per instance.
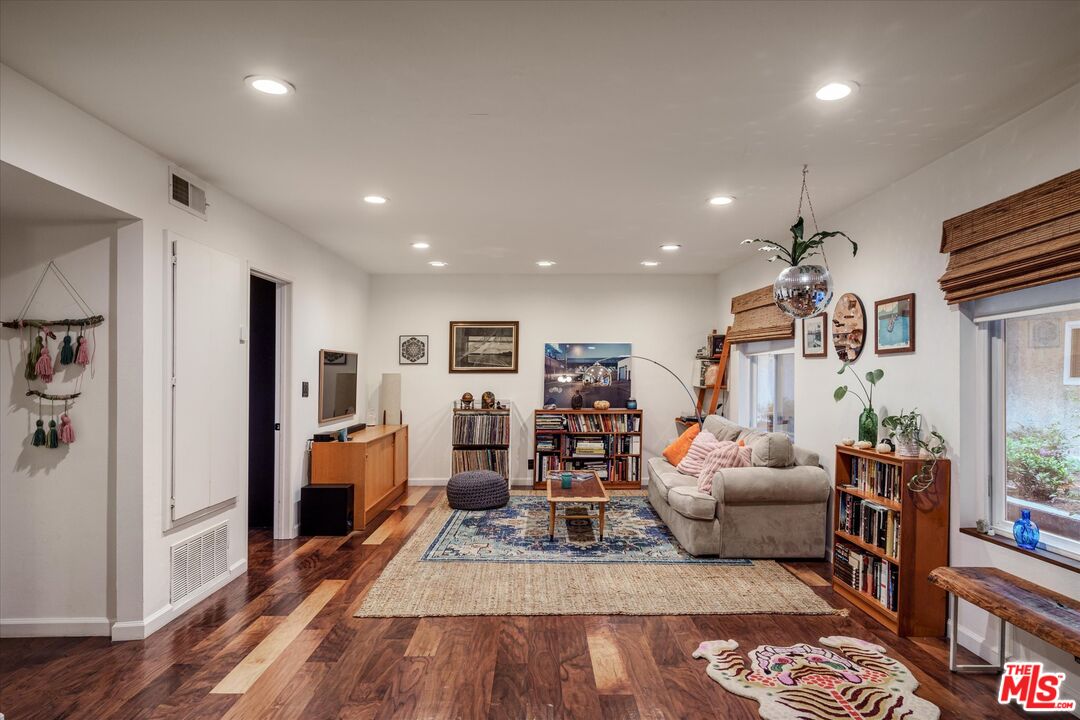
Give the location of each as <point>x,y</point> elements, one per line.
<point>796,485</point>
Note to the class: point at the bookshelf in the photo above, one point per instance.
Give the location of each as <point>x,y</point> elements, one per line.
<point>608,441</point>
<point>480,440</point>
<point>887,539</point>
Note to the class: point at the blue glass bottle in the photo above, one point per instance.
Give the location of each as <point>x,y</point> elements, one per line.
<point>1025,531</point>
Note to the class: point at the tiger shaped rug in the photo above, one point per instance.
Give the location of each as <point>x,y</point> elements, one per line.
<point>855,680</point>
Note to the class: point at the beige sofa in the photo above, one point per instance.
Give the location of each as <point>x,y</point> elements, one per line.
<point>752,512</point>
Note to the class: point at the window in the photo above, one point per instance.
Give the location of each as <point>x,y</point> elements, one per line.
<point>770,406</point>
<point>1034,373</point>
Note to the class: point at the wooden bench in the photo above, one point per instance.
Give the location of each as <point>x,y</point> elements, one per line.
<point>1043,613</point>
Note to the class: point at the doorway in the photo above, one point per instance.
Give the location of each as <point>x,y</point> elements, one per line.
<point>263,423</point>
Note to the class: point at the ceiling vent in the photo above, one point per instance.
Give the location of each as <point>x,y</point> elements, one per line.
<point>197,561</point>
<point>186,191</point>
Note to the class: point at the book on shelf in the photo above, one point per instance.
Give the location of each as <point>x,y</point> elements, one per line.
<point>628,445</point>
<point>867,573</point>
<point>550,422</point>
<point>588,446</point>
<point>627,469</point>
<point>601,467</point>
<point>480,428</point>
<point>878,478</point>
<point>874,524</point>
<point>487,459</point>
<point>547,443</point>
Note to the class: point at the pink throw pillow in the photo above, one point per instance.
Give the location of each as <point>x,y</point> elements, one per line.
<point>727,455</point>
<point>703,444</point>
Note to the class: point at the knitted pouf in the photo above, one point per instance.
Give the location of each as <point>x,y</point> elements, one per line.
<point>477,490</point>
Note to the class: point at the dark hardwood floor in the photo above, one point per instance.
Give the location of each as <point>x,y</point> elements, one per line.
<point>338,666</point>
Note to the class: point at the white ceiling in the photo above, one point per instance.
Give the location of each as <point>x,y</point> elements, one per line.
<point>28,200</point>
<point>586,133</point>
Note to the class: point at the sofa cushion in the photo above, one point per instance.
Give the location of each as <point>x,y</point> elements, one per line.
<point>703,444</point>
<point>806,457</point>
<point>771,486</point>
<point>727,455</point>
<point>663,477</point>
<point>676,451</point>
<point>722,428</point>
<point>691,503</point>
<point>773,450</point>
<point>749,437</point>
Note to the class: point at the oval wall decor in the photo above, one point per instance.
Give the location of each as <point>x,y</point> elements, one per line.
<point>849,327</point>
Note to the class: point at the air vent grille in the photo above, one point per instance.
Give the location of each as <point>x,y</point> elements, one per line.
<point>186,191</point>
<point>180,188</point>
<point>199,560</point>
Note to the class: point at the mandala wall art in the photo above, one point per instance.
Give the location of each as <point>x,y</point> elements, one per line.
<point>412,350</point>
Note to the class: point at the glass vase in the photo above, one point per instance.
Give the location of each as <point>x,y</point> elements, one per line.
<point>868,425</point>
<point>1025,531</point>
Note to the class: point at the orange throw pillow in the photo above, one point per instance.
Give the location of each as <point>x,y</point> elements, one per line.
<point>676,451</point>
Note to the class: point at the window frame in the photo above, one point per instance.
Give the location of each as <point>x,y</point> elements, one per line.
<point>991,417</point>
<point>749,352</point>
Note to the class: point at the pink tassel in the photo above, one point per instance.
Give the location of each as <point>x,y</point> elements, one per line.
<point>82,356</point>
<point>43,368</point>
<point>67,432</point>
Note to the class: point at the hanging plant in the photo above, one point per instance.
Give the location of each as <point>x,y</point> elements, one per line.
<point>803,290</point>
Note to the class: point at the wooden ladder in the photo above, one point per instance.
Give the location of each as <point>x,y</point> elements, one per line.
<point>721,379</point>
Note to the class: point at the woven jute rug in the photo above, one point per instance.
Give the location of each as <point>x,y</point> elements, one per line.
<point>412,587</point>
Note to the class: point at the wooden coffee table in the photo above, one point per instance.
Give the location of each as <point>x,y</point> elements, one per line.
<point>586,488</point>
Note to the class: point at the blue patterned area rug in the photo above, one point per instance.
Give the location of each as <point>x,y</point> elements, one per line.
<point>518,533</point>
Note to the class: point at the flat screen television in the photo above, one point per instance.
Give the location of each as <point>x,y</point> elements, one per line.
<point>337,385</point>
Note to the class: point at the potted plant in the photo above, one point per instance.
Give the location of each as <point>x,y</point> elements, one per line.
<point>868,419</point>
<point>801,290</point>
<point>906,428</point>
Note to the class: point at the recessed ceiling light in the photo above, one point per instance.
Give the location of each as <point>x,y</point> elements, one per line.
<point>721,200</point>
<point>670,247</point>
<point>545,263</point>
<point>375,199</point>
<point>420,246</point>
<point>649,263</point>
<point>269,85</point>
<point>834,91</point>
<point>438,263</point>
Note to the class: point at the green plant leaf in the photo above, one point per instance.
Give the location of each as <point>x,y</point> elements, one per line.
<point>797,230</point>
<point>825,234</point>
<point>842,369</point>
<point>873,376</point>
<point>839,393</point>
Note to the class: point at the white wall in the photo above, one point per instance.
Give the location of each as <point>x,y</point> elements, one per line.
<point>665,317</point>
<point>899,233</point>
<point>45,135</point>
<point>58,498</point>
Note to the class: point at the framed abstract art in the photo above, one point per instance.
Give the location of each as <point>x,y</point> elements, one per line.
<point>412,350</point>
<point>484,346</point>
<point>895,325</point>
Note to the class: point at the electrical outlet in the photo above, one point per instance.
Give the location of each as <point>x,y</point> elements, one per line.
<point>304,389</point>
<point>531,464</point>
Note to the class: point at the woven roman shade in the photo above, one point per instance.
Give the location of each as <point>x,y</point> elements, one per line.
<point>758,318</point>
<point>1030,238</point>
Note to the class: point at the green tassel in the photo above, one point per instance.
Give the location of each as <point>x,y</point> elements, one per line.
<point>67,351</point>
<point>31,371</point>
<point>39,434</point>
<point>54,437</point>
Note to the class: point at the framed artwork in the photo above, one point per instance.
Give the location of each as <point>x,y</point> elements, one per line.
<point>484,347</point>
<point>848,327</point>
<point>895,321</point>
<point>564,364</point>
<point>814,340</point>
<point>1072,352</point>
<point>412,349</point>
<point>716,344</point>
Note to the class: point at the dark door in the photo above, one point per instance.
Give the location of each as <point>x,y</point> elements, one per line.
<point>262,403</point>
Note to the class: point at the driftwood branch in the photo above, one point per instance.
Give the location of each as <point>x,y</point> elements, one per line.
<point>48,396</point>
<point>91,321</point>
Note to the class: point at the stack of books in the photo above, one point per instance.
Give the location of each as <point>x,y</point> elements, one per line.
<point>626,469</point>
<point>601,467</point>
<point>866,573</point>
<point>588,447</point>
<point>875,524</point>
<point>876,477</point>
<point>547,443</point>
<point>628,445</point>
<point>550,422</point>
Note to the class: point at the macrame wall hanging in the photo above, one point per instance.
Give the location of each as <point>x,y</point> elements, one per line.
<point>41,368</point>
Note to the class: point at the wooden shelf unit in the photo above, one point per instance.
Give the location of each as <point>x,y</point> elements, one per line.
<point>374,460</point>
<point>924,542</point>
<point>470,451</point>
<point>612,438</point>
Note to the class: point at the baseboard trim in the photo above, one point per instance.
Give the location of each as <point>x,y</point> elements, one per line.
<point>142,629</point>
<point>439,481</point>
<point>54,627</point>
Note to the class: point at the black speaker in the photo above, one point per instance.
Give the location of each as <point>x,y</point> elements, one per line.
<point>326,509</point>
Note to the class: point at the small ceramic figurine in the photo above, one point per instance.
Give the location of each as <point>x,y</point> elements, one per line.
<point>601,405</point>
<point>466,401</point>
<point>848,441</point>
<point>577,401</point>
<point>487,400</point>
<point>863,445</point>
<point>884,447</point>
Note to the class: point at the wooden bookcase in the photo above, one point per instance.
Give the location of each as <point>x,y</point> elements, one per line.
<point>923,523</point>
<point>480,440</point>
<point>622,447</point>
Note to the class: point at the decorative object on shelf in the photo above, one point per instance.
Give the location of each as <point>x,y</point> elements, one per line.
<point>803,290</point>
<point>849,327</point>
<point>599,374</point>
<point>847,441</point>
<point>412,349</point>
<point>702,352</point>
<point>984,527</point>
<point>815,340</point>
<point>487,400</point>
<point>577,401</point>
<point>1025,531</point>
<point>631,404</point>
<point>868,420</point>
<point>715,343</point>
<point>906,429</point>
<point>467,401</point>
<point>884,447</point>
<point>863,445</point>
<point>895,318</point>
<point>484,346</point>
<point>601,405</point>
